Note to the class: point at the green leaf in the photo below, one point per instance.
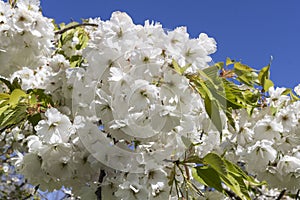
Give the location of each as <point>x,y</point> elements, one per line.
<point>171,177</point>
<point>4,96</point>
<point>62,25</point>
<point>67,36</point>
<point>264,73</point>
<point>16,84</point>
<point>248,78</point>
<point>213,111</point>
<point>11,86</point>
<point>16,96</point>
<point>212,75</point>
<point>184,68</point>
<point>290,92</point>
<point>216,162</point>
<point>263,78</point>
<point>236,170</point>
<point>193,159</point>
<point>241,67</point>
<point>219,65</point>
<point>237,185</point>
<point>43,99</point>
<point>267,84</point>
<point>7,83</point>
<point>209,79</point>
<point>3,109</point>
<point>294,97</point>
<point>215,170</point>
<point>207,176</point>
<point>83,38</point>
<point>286,91</point>
<point>13,116</point>
<point>76,61</point>
<point>178,69</point>
<point>229,61</point>
<point>236,96</point>
<point>221,94</point>
<point>34,119</point>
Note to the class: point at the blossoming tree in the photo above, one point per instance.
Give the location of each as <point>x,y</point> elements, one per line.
<point>116,110</point>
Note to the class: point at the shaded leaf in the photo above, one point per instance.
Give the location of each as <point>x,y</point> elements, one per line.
<point>216,162</point>
<point>34,119</point>
<point>13,116</point>
<point>213,111</point>
<point>193,159</point>
<point>237,185</point>
<point>208,176</point>
<point>236,171</point>
<point>11,86</point>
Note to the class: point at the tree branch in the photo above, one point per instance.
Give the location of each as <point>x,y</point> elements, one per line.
<point>74,26</point>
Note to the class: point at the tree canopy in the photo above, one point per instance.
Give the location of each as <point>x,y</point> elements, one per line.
<point>117,110</point>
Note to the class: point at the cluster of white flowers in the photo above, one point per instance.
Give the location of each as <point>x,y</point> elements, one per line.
<point>138,97</point>
<point>142,105</point>
<point>25,36</point>
<point>55,155</point>
<point>269,143</point>
<point>129,113</point>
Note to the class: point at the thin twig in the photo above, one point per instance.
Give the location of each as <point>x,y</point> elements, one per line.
<point>74,26</point>
<point>297,195</point>
<point>281,194</point>
<point>100,180</point>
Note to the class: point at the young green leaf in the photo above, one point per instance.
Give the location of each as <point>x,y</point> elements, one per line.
<point>267,84</point>
<point>229,61</point>
<point>263,78</point>
<point>16,96</point>
<point>241,67</point>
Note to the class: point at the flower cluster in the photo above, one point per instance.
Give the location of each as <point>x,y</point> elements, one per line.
<point>270,139</point>
<point>56,157</point>
<point>26,36</point>
<point>140,100</point>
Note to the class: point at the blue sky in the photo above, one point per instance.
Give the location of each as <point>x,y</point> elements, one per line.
<point>248,31</point>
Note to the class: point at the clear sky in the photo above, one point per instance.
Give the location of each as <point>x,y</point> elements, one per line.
<point>247,31</point>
